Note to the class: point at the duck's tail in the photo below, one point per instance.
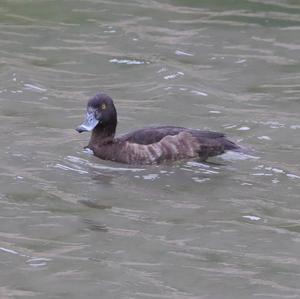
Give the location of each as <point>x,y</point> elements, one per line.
<point>231,146</point>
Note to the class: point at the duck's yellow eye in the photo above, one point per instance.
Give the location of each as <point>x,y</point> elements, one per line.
<point>103,106</point>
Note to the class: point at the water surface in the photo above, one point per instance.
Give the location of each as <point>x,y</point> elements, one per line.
<point>73,226</point>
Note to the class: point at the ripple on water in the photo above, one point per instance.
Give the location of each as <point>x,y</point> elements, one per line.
<point>32,261</point>
<point>174,76</point>
<point>129,61</point>
<point>38,262</point>
<point>34,87</point>
<point>275,173</point>
<point>182,53</point>
<point>84,162</point>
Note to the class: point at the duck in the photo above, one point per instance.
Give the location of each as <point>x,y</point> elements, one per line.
<point>150,145</point>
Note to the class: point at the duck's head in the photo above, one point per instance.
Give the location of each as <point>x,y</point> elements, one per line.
<point>101,114</point>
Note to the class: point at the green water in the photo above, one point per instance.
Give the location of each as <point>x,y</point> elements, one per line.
<point>73,226</point>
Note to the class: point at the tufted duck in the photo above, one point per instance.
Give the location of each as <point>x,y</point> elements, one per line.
<point>149,145</point>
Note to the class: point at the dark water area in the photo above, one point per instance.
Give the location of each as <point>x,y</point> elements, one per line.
<point>73,226</point>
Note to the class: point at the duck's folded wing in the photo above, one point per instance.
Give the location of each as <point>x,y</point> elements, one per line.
<point>171,147</point>
<point>151,135</point>
<point>156,134</point>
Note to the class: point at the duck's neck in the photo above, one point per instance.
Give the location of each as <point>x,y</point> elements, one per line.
<point>102,135</point>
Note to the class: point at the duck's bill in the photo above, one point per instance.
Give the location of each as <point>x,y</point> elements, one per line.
<point>89,123</point>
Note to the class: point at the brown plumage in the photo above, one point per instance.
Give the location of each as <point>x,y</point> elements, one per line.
<point>150,145</point>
